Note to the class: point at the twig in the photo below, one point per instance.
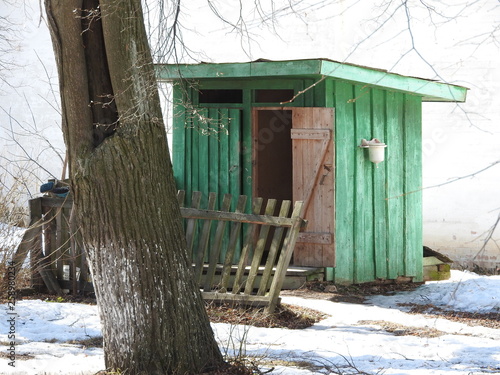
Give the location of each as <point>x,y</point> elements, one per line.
<point>488,237</point>
<point>447,182</point>
<point>305,90</point>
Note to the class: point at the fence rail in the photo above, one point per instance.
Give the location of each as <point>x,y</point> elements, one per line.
<point>238,257</point>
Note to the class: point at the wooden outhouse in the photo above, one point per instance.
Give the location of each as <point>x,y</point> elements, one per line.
<point>292,130</point>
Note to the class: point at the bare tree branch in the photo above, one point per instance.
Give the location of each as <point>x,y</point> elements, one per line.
<point>448,182</point>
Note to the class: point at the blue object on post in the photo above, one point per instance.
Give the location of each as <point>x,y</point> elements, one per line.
<point>51,187</point>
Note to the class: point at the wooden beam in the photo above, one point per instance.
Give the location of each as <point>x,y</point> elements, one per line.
<point>236,216</point>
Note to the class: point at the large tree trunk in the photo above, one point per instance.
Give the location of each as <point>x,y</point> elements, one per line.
<point>152,313</point>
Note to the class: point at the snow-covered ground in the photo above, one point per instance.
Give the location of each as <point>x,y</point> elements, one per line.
<point>351,339</point>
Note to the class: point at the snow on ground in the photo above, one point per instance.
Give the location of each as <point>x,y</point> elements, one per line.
<point>351,337</point>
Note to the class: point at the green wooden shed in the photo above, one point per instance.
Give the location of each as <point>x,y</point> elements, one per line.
<point>292,130</point>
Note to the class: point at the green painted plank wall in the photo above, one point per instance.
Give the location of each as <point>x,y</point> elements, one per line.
<point>344,181</point>
<point>179,161</point>
<point>207,155</point>
<point>395,188</point>
<point>413,184</point>
<point>378,225</point>
<point>364,263</point>
<point>380,228</point>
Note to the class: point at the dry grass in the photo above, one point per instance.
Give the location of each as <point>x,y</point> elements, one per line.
<point>285,316</point>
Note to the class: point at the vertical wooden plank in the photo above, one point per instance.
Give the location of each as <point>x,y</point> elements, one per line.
<point>223,149</point>
<point>216,246</point>
<point>233,242</point>
<point>232,162</point>
<point>246,147</point>
<point>203,156</point>
<point>379,187</point>
<point>273,251</point>
<point>31,238</point>
<point>189,144</point>
<point>250,234</point>
<point>50,228</point>
<point>309,95</point>
<point>330,103</point>
<point>181,195</point>
<point>324,200</point>
<point>234,153</point>
<point>259,248</point>
<point>346,146</point>
<point>394,168</point>
<point>195,154</point>
<point>320,94</point>
<point>180,146</point>
<point>364,266</point>
<point>329,90</point>
<point>191,225</point>
<point>413,183</point>
<point>203,240</point>
<point>210,161</point>
<point>284,260</point>
<point>32,242</point>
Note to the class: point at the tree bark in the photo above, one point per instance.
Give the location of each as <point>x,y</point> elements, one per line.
<point>152,313</point>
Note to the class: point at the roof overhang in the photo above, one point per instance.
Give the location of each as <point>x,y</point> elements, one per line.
<point>430,91</point>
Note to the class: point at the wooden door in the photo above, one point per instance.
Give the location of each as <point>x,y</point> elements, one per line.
<point>313,168</point>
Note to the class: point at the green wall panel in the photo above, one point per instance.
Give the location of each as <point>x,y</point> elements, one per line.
<point>344,182</point>
<point>395,189</point>
<point>413,184</point>
<point>364,263</point>
<point>380,228</point>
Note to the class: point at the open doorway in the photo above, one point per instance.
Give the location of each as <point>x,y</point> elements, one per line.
<point>294,159</point>
<point>273,172</point>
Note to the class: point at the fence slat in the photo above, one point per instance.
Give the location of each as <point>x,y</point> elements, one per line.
<point>286,255</point>
<point>247,248</point>
<point>233,241</point>
<point>192,223</point>
<point>203,241</point>
<point>216,246</point>
<point>259,248</point>
<point>274,249</point>
<point>181,194</point>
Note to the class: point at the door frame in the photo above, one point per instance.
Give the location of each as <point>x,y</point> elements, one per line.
<point>318,239</point>
<point>255,140</point>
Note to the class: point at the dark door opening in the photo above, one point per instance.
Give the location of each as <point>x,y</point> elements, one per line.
<point>273,174</point>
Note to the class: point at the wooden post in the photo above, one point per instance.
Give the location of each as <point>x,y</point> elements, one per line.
<point>36,252</point>
<point>31,242</point>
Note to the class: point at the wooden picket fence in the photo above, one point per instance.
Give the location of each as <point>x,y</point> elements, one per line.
<point>237,257</point>
<point>252,279</point>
